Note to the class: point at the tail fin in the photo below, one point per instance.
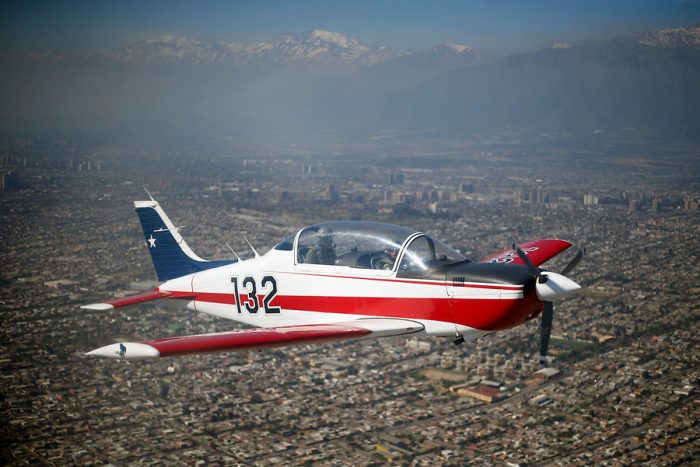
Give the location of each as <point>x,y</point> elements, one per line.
<point>171,255</point>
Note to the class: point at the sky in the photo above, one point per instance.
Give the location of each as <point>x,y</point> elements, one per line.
<point>497,26</point>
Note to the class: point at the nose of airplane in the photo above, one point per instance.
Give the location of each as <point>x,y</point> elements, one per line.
<point>551,286</point>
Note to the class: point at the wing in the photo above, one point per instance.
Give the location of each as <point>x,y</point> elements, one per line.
<point>538,252</point>
<point>154,294</point>
<point>243,339</point>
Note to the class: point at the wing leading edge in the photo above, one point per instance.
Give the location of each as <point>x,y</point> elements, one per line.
<point>243,339</point>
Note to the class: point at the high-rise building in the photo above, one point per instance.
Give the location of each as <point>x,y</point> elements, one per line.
<point>633,206</point>
<point>655,204</point>
<point>395,178</point>
<point>466,188</point>
<point>590,200</point>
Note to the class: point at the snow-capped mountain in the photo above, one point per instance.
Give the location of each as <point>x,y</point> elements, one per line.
<point>453,53</point>
<point>314,47</point>
<point>412,68</point>
<point>170,49</point>
<point>670,38</point>
<point>318,47</point>
<point>461,49</point>
<point>325,47</point>
<point>642,81</point>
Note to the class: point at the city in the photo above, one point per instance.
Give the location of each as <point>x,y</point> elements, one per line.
<point>621,388</point>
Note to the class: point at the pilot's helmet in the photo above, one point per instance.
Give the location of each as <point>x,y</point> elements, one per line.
<point>392,252</point>
<point>325,236</point>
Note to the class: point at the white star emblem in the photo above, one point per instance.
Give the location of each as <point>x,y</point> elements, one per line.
<point>152,241</point>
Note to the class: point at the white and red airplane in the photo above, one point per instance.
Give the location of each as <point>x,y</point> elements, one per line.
<point>344,280</point>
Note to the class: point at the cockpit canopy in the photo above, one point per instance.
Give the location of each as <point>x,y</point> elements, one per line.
<point>368,245</point>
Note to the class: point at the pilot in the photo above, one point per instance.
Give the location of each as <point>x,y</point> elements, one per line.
<point>392,254</point>
<point>324,251</point>
<point>388,260</point>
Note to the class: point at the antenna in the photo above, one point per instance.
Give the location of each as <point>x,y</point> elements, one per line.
<point>149,195</point>
<point>251,247</point>
<point>235,254</point>
<point>163,229</point>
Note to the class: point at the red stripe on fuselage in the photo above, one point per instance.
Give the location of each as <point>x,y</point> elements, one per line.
<point>478,313</point>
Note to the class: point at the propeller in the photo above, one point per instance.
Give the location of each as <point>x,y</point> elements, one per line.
<point>574,262</point>
<point>550,287</point>
<point>545,331</point>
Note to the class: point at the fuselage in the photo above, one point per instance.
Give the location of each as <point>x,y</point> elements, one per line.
<point>472,299</point>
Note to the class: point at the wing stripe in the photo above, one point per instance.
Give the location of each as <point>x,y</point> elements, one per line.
<point>254,338</point>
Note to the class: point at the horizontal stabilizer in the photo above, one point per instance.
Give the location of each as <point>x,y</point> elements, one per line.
<point>243,339</point>
<point>538,252</point>
<point>154,294</point>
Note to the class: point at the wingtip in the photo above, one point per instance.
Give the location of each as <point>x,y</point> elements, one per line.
<point>125,351</point>
<point>145,204</point>
<point>97,306</point>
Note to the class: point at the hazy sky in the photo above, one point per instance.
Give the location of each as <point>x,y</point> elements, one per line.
<point>493,25</point>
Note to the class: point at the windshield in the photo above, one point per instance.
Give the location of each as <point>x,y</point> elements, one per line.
<point>287,244</point>
<point>365,245</point>
<point>424,253</point>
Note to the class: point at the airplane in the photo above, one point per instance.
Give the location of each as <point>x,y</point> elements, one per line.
<point>343,280</point>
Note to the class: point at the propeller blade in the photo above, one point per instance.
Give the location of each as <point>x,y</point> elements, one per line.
<point>574,262</point>
<point>525,259</point>
<point>545,330</point>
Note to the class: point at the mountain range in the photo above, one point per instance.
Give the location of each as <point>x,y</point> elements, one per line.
<point>325,83</point>
<point>317,47</point>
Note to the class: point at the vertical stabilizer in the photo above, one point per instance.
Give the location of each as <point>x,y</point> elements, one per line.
<point>171,255</point>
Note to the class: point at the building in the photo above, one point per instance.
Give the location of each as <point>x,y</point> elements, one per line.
<point>9,180</point>
<point>396,178</point>
<point>482,392</point>
<point>655,205</point>
<point>633,206</point>
<point>590,200</point>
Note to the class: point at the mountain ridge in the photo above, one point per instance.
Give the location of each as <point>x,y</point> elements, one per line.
<point>325,83</point>
<point>315,47</point>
